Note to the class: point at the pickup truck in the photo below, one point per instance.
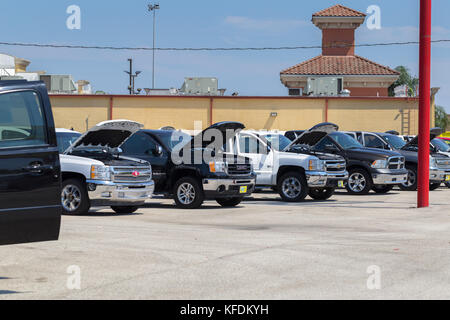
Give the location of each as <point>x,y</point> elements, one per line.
<point>369,169</point>
<point>95,173</point>
<point>214,175</point>
<point>30,180</point>
<point>439,163</point>
<point>291,167</point>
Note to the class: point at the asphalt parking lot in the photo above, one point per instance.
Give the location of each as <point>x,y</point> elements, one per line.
<point>264,249</point>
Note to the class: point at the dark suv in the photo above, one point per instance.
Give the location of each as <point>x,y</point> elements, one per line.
<point>225,178</point>
<point>30,181</point>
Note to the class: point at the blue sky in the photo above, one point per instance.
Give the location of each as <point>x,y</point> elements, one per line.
<point>202,23</point>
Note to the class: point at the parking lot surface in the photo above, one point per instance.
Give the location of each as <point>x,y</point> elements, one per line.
<point>263,249</point>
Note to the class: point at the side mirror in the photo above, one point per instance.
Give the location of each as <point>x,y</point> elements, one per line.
<point>158,151</point>
<point>117,150</point>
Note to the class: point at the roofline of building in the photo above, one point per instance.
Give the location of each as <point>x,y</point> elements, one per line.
<point>230,97</point>
<point>340,75</point>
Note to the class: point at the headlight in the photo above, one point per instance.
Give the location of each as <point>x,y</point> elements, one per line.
<point>100,173</point>
<point>217,166</point>
<point>433,162</point>
<point>316,165</point>
<point>380,164</point>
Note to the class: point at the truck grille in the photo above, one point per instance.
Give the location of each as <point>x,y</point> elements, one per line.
<point>131,174</point>
<point>335,165</point>
<point>443,163</point>
<point>396,163</point>
<point>239,169</point>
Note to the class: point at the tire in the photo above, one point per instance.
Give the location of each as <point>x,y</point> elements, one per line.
<point>292,187</point>
<point>359,182</point>
<point>411,184</point>
<point>321,194</point>
<point>125,209</point>
<point>229,202</point>
<point>447,184</point>
<point>383,189</point>
<point>188,194</point>
<point>74,197</point>
<point>434,186</point>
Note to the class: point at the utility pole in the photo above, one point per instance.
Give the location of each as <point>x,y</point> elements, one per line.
<point>153,8</point>
<point>132,79</point>
<point>423,186</point>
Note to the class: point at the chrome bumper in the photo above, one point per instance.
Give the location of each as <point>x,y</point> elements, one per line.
<point>438,174</point>
<point>107,192</point>
<point>319,179</point>
<point>226,184</point>
<point>384,179</point>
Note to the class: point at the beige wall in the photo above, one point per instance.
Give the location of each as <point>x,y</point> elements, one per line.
<point>372,114</point>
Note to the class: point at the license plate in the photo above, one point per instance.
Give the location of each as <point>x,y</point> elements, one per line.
<point>447,178</point>
<point>243,189</point>
<point>340,184</point>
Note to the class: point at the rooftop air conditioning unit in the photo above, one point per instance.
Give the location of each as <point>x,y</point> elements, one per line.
<point>324,86</point>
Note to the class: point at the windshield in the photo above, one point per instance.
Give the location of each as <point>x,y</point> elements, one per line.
<point>441,145</point>
<point>65,140</point>
<point>277,141</point>
<point>172,138</point>
<point>394,141</point>
<point>345,141</point>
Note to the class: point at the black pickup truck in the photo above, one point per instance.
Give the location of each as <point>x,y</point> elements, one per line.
<point>190,180</point>
<point>439,163</point>
<point>368,169</point>
<point>30,180</point>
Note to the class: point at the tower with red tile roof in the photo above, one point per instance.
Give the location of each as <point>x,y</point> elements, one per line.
<point>338,59</point>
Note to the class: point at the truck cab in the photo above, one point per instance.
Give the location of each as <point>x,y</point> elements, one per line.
<point>292,167</point>
<point>30,180</point>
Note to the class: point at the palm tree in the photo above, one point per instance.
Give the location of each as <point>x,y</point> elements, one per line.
<point>405,79</point>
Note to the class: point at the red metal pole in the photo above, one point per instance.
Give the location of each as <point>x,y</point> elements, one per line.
<point>423,195</point>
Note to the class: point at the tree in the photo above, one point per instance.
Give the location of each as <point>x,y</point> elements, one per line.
<point>405,79</point>
<point>441,118</point>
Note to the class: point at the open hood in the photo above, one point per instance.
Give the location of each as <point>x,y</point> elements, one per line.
<point>110,134</point>
<point>435,132</point>
<point>204,139</point>
<point>314,135</point>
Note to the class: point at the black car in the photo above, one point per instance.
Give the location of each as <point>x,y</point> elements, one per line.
<point>30,180</point>
<point>368,169</point>
<point>225,178</point>
<point>439,163</point>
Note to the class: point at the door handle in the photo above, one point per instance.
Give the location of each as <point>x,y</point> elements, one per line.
<point>38,168</point>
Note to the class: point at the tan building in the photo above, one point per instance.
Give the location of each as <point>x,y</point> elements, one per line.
<point>271,113</point>
<point>359,75</point>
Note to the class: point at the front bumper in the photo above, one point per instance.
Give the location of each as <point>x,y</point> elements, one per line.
<point>322,179</point>
<point>438,175</point>
<point>107,193</point>
<point>389,177</point>
<point>223,187</point>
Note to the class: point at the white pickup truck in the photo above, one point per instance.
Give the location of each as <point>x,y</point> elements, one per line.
<point>95,174</point>
<point>292,167</point>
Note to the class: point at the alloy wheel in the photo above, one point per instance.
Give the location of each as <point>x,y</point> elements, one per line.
<point>357,182</point>
<point>186,193</point>
<point>291,187</point>
<point>411,179</point>
<point>71,198</point>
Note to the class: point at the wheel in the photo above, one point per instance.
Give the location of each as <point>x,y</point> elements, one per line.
<point>383,189</point>
<point>434,186</point>
<point>359,182</point>
<point>188,194</point>
<point>125,209</point>
<point>74,197</point>
<point>447,184</point>
<point>411,183</point>
<point>292,187</point>
<point>229,202</point>
<point>321,194</point>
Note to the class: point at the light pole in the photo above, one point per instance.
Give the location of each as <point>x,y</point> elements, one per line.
<point>132,78</point>
<point>153,8</point>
